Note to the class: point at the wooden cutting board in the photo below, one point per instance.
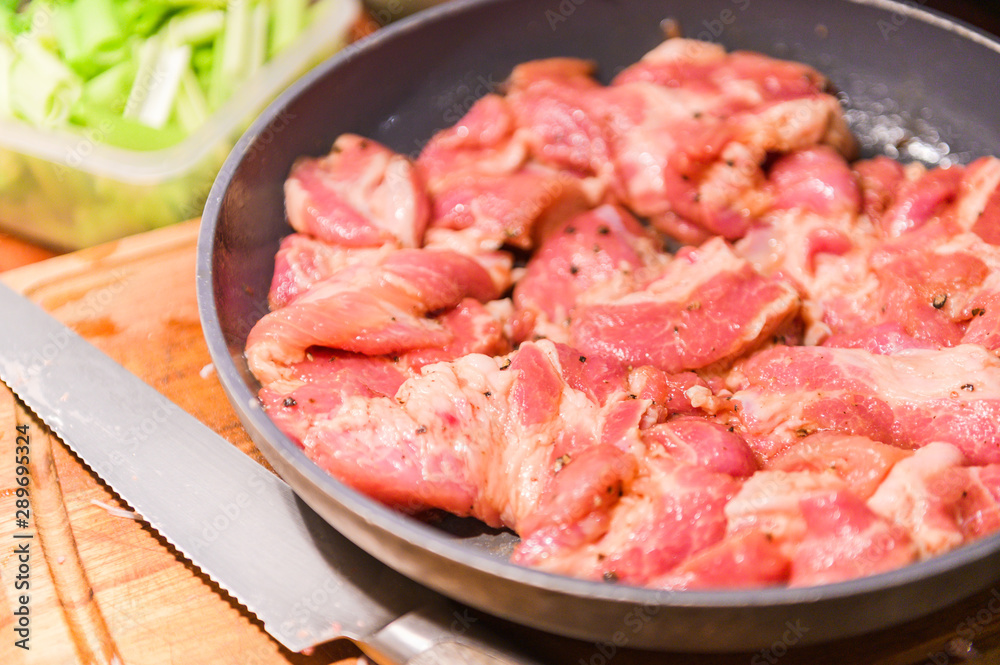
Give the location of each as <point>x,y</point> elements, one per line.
<point>135,299</point>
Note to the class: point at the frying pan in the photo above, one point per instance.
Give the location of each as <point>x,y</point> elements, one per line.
<point>916,86</point>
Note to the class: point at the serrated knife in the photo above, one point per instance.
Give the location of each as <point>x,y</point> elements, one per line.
<point>239,523</point>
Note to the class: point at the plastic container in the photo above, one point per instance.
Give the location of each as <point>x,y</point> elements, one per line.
<point>69,190</point>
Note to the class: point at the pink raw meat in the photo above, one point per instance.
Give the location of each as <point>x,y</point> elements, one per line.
<point>361,194</point>
<point>663,329</point>
<point>709,306</point>
<point>908,399</point>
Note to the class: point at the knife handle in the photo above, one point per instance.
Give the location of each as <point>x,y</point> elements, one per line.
<point>455,653</point>
<point>441,634</point>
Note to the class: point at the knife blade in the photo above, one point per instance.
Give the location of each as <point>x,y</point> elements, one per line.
<point>239,523</point>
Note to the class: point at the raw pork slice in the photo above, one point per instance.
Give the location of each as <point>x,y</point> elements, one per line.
<point>479,178</point>
<point>482,436</point>
<point>645,533</point>
<point>708,306</point>
<point>723,113</point>
<point>360,194</point>
<point>811,519</point>
<point>602,254</point>
<point>302,261</point>
<point>845,540</point>
<point>859,462</point>
<point>370,309</point>
<point>908,399</point>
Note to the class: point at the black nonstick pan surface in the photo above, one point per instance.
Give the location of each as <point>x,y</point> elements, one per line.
<point>916,86</point>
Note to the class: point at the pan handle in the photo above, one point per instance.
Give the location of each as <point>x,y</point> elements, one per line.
<point>441,633</point>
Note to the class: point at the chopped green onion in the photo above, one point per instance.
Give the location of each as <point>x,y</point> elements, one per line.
<point>257,43</point>
<point>163,64</point>
<point>113,129</point>
<point>287,20</point>
<point>195,28</point>
<point>235,46</point>
<point>171,63</point>
<point>45,87</point>
<point>105,90</point>
<point>147,55</point>
<point>83,29</point>
<point>192,107</point>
